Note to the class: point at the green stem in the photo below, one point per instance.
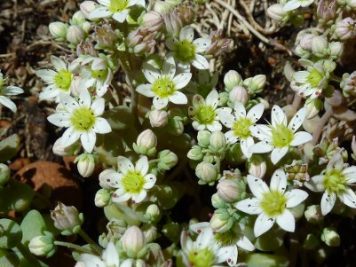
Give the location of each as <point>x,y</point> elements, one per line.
<point>90,241</point>
<point>72,247</point>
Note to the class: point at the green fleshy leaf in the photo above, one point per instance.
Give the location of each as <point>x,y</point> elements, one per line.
<point>10,234</point>
<point>32,225</point>
<point>266,260</point>
<point>8,258</point>
<point>9,147</point>
<point>19,196</point>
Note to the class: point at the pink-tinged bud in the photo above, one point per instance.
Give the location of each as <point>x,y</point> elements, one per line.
<point>87,7</point>
<point>326,9</point>
<point>345,29</point>
<point>238,94</point>
<point>133,241</point>
<point>67,219</point>
<point>306,41</point>
<point>228,190</point>
<point>276,12</point>
<point>158,118</point>
<point>75,34</point>
<point>153,20</point>
<point>348,84</point>
<point>257,167</point>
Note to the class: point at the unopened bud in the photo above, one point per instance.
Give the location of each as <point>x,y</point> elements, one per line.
<point>102,198</point>
<point>345,29</point>
<point>255,84</point>
<point>4,174</point>
<point>158,118</point>
<point>146,143</point>
<point>87,7</point>
<point>313,214</point>
<point>85,164</point>
<point>326,9</point>
<point>42,245</point>
<point>336,49</point>
<point>204,138</point>
<point>206,172</point>
<point>221,222</point>
<point>75,34</point>
<point>311,242</point>
<point>348,84</point>
<point>217,201</point>
<point>195,153</point>
<point>238,94</point>
<point>167,160</point>
<point>67,219</point>
<point>319,46</point>
<point>58,30</point>
<point>153,213</point>
<point>133,241</point>
<point>330,237</point>
<point>152,20</point>
<point>231,79</point>
<point>336,99</point>
<point>78,18</point>
<point>217,141</point>
<point>230,189</point>
<point>257,166</point>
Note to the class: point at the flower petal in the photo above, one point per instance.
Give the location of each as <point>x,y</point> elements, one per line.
<point>124,165</point>
<point>278,181</point>
<point>278,153</point>
<point>151,73</point>
<point>145,89</point>
<point>110,255</point>
<point>12,90</point>
<point>101,126</point>
<point>230,137</point>
<point>261,147</point>
<point>200,62</point>
<point>109,178</point>
<point>186,33</point>
<point>262,224</point>
<point>226,118</point>
<point>245,146</point>
<point>142,165</point>
<point>301,138</point>
<point>286,221</point>
<point>58,63</point>
<point>261,131</point>
<point>327,202</point>
<point>202,44</point>
<point>348,198</point>
<point>46,75</point>
<point>85,98</point>
<point>350,174</point>
<point>245,244</point>
<point>257,186</point>
<point>60,119</point>
<point>227,254</point>
<point>297,120</point>
<point>255,113</point>
<point>178,98</point>
<point>249,206</point>
<point>118,198</point>
<point>295,197</point>
<point>181,80</point>
<point>278,116</point>
<point>88,140</point>
<point>139,197</point>
<point>8,103</point>
<point>98,106</point>
<point>169,67</point>
<point>213,98</point>
<point>239,110</point>
<point>291,5</point>
<point>215,126</point>
<point>121,16</point>
<point>160,103</point>
<point>150,181</point>
<point>70,136</point>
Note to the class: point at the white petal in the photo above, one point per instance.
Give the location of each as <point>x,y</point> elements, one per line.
<point>110,255</point>
<point>8,103</point>
<point>215,126</point>
<point>142,165</point>
<point>202,44</point>
<point>204,238</point>
<point>145,89</point>
<point>109,178</point>
<point>246,146</point>
<point>227,119</point>
<point>348,198</point>
<point>297,120</point>
<point>160,103</point>
<point>213,98</point>
<point>227,254</point>
<point>12,90</point>
<point>301,76</point>
<point>245,244</point>
<point>151,73</point>
<point>249,206</point>
<point>139,197</point>
<point>350,174</point>
<point>182,79</point>
<point>286,221</point>
<point>291,5</point>
<point>278,153</point>
<point>230,137</point>
<point>169,67</point>
<point>178,98</point>
<point>262,224</point>
<point>261,147</point>
<point>240,110</point>
<point>257,186</point>
<point>58,63</point>
<point>118,198</point>
<point>200,62</point>
<point>85,98</point>
<point>316,183</point>
<point>68,102</point>
<point>186,33</point>
<point>255,113</point>
<point>70,136</point>
<point>88,140</point>
<point>261,131</point>
<point>279,181</point>
<point>301,138</point>
<point>124,164</point>
<point>121,16</point>
<point>98,106</point>
<point>128,263</point>
<point>48,93</point>
<point>46,75</point>
<point>198,227</point>
<point>150,181</point>
<point>101,126</point>
<point>104,2</point>
<point>278,116</point>
<point>327,202</point>
<point>295,197</point>
<point>60,119</point>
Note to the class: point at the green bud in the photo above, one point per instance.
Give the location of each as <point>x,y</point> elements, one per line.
<point>150,233</point>
<point>133,241</point>
<point>195,153</point>
<point>4,174</point>
<point>206,172</point>
<point>42,245</point>
<point>102,198</point>
<point>85,164</point>
<point>217,201</point>
<point>221,221</point>
<point>204,138</point>
<point>58,30</point>
<point>67,219</point>
<point>78,18</point>
<point>319,46</point>
<point>146,143</point>
<point>255,84</point>
<point>153,213</point>
<point>330,237</point>
<point>223,98</point>
<point>231,79</point>
<point>167,160</point>
<point>313,214</point>
<point>217,142</point>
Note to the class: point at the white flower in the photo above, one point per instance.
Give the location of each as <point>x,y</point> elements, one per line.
<point>204,251</point>
<point>188,51</point>
<point>8,91</point>
<point>164,86</point>
<point>229,241</point>
<point>131,182</point>
<point>271,204</point>
<point>82,118</point>
<point>335,181</point>
<point>117,9</point>
<point>239,122</point>
<point>109,258</point>
<point>280,136</point>
<point>205,112</point>
<point>294,4</point>
<point>98,75</point>
<point>310,82</point>
<point>59,82</point>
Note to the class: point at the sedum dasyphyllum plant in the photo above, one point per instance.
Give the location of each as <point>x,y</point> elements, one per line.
<point>141,99</point>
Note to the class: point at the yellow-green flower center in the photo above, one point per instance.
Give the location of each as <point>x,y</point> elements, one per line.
<point>227,238</point>
<point>282,136</point>
<point>83,119</point>
<point>184,51</point>
<point>63,79</point>
<point>117,5</point>
<point>273,203</point>
<point>163,87</point>
<point>204,114</point>
<point>314,78</point>
<point>241,128</point>
<point>201,258</point>
<point>99,74</point>
<point>133,182</point>
<point>334,181</point>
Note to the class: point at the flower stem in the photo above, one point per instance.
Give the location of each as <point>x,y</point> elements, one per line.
<point>90,241</point>
<point>72,246</point>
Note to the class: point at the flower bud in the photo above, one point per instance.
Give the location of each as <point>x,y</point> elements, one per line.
<point>78,18</point>
<point>238,94</point>
<point>311,242</point>
<point>255,84</point>
<point>277,12</point>
<point>345,29</point>
<point>87,7</point>
<point>153,213</point>
<point>217,141</point>
<point>220,222</point>
<point>336,49</point>
<point>305,41</point>
<point>75,34</point>
<point>217,201</point>
<point>152,20</point>
<point>229,189</point>
<point>257,167</point>
<point>158,118</point>
<point>133,241</point>
<point>231,79</point>
<point>67,219</point>
<point>42,245</point>
<point>319,46</point>
<point>204,138</point>
<point>85,164</point>
<point>167,160</point>
<point>195,153</point>
<point>351,4</point>
<point>206,172</point>
<point>102,198</point>
<point>348,84</point>
<point>58,30</point>
<point>150,234</point>
<point>330,237</point>
<point>4,174</point>
<point>86,26</point>
<point>223,98</point>
<point>146,143</point>
<point>313,214</point>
